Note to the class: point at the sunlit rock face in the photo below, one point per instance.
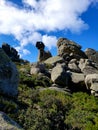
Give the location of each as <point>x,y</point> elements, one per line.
<point>92,54</point>
<point>91,82</point>
<point>66,46</point>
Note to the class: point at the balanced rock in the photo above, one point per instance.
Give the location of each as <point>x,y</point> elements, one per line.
<point>43,55</point>
<point>66,46</point>
<point>8,75</point>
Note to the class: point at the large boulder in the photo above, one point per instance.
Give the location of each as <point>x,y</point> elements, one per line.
<point>87,66</point>
<point>77,82</point>
<point>66,46</point>
<point>92,54</point>
<point>91,82</point>
<point>59,75</point>
<point>7,123</point>
<point>37,68</point>
<point>8,75</point>
<point>77,78</point>
<point>73,66</point>
<point>54,60</point>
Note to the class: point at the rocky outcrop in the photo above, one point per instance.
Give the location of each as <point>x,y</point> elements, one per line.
<point>8,76</point>
<point>92,54</point>
<point>8,124</point>
<point>71,68</point>
<point>66,46</point>
<point>11,52</point>
<point>43,55</point>
<point>91,82</point>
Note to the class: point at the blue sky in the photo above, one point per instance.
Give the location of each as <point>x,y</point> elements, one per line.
<point>23,22</point>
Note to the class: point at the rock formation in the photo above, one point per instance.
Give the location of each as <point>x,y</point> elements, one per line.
<point>10,51</point>
<point>72,69</point>
<point>43,55</point>
<point>69,49</point>
<point>8,76</point>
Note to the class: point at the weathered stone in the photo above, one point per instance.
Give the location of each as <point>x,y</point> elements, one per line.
<point>7,123</point>
<point>92,54</point>
<point>66,41</point>
<point>91,82</point>
<point>73,66</point>
<point>37,68</point>
<point>77,82</point>
<point>8,75</point>
<point>87,66</point>
<point>43,55</point>
<point>77,77</point>
<point>66,46</point>
<point>54,60</point>
<point>59,75</point>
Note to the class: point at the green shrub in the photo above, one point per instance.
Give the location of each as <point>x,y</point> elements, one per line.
<point>45,110</point>
<point>83,112</point>
<point>7,105</point>
<point>43,81</point>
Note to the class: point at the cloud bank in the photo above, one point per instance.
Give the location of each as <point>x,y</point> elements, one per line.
<point>35,16</point>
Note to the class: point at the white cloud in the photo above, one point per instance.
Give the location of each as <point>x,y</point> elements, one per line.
<point>49,41</point>
<point>22,51</point>
<point>42,15</point>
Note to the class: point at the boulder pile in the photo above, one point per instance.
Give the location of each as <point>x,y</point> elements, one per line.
<point>72,69</point>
